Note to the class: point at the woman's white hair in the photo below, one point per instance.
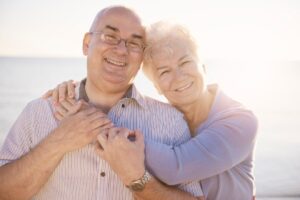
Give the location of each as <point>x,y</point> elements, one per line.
<point>159,37</point>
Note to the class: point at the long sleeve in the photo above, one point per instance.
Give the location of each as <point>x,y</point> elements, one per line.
<point>220,144</point>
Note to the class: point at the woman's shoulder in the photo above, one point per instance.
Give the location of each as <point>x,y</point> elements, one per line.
<point>226,109</point>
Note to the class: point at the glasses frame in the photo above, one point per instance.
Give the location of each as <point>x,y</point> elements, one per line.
<point>102,37</point>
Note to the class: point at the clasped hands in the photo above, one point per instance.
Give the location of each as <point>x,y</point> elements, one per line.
<point>82,124</point>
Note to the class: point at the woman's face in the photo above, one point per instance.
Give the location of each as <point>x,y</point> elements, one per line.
<point>176,75</point>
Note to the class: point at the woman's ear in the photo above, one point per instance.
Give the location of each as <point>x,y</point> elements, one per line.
<point>86,43</point>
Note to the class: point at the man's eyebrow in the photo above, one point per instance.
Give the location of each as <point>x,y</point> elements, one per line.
<point>115,29</point>
<point>112,28</point>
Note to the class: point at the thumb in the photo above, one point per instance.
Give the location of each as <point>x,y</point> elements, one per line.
<point>84,104</point>
<point>139,137</point>
<point>75,108</point>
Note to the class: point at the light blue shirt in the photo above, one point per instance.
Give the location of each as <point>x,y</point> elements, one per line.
<point>220,155</point>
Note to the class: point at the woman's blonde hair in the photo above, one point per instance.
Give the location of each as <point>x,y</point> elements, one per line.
<point>159,37</point>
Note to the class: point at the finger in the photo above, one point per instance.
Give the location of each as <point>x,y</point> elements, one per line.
<point>58,116</point>
<point>75,108</point>
<point>99,150</point>
<point>71,101</point>
<point>102,139</point>
<point>85,104</point>
<point>93,135</point>
<point>62,90</point>
<point>113,132</point>
<point>71,89</point>
<point>61,110</point>
<point>139,137</point>
<point>55,96</point>
<point>97,116</point>
<point>101,123</point>
<point>104,132</point>
<point>108,126</point>
<point>90,110</point>
<point>67,105</point>
<point>47,94</point>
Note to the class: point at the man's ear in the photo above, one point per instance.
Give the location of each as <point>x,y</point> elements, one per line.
<point>86,43</point>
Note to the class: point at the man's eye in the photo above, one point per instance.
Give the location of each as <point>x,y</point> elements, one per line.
<point>109,37</point>
<point>134,44</point>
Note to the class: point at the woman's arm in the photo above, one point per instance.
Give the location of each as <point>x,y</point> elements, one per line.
<point>223,144</point>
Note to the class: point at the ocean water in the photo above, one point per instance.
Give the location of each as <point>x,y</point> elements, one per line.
<point>270,89</point>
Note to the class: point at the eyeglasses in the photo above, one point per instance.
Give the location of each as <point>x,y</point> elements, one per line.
<point>132,44</point>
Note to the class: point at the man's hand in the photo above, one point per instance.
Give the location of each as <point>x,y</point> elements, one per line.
<point>79,129</point>
<point>123,149</point>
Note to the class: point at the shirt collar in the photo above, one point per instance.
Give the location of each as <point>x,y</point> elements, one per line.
<point>132,93</point>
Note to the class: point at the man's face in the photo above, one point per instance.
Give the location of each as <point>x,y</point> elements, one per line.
<point>112,67</point>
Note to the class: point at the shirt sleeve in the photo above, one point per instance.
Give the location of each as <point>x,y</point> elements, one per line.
<point>18,139</point>
<point>193,188</point>
<point>220,145</point>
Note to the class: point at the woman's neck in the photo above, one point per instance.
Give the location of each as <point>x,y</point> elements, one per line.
<point>198,111</point>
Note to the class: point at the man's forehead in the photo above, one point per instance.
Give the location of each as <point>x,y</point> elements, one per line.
<point>121,20</point>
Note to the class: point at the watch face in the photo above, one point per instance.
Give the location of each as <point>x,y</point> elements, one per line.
<point>137,186</point>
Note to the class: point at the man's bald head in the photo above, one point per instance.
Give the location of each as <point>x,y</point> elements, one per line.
<point>114,9</point>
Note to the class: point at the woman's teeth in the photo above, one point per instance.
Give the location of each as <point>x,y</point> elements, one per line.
<point>184,87</point>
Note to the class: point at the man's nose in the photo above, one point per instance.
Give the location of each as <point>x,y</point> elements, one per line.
<point>121,47</point>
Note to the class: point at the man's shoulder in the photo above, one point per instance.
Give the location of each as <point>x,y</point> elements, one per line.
<point>39,106</point>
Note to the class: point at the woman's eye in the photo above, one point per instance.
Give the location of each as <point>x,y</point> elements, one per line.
<point>164,72</point>
<point>185,62</point>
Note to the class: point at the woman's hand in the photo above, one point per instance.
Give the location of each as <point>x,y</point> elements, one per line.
<point>63,98</point>
<point>63,91</point>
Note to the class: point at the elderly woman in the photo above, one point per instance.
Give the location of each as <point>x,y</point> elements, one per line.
<point>220,153</point>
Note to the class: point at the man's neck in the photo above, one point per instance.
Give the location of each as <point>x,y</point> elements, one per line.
<point>101,98</point>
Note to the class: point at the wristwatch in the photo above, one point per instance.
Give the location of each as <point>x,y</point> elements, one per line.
<point>139,184</point>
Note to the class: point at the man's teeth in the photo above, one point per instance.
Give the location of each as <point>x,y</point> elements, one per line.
<point>114,62</point>
<point>184,87</point>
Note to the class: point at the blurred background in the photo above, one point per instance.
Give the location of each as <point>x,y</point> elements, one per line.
<point>250,48</point>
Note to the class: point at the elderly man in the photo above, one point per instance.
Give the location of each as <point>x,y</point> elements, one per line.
<point>43,158</point>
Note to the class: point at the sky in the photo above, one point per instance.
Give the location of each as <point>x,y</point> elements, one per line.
<point>231,29</point>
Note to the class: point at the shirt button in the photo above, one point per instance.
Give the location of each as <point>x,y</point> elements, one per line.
<point>102,174</point>
<point>123,105</point>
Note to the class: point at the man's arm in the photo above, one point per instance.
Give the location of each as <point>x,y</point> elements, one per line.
<point>26,173</point>
<point>154,189</point>
<point>127,157</point>
<point>23,178</point>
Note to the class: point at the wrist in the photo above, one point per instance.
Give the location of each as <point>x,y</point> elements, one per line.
<point>53,145</point>
<point>139,184</point>
<point>135,175</point>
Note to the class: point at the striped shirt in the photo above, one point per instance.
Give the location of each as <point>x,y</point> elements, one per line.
<point>82,174</point>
